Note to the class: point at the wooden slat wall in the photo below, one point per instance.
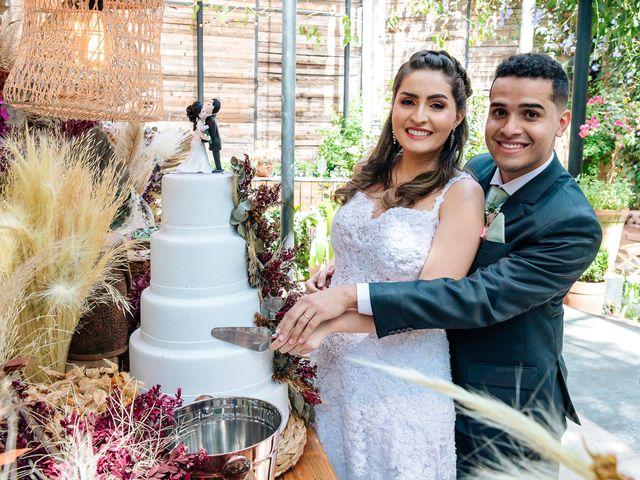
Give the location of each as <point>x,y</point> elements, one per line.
<point>229,70</point>
<point>414,33</point>
<point>229,64</point>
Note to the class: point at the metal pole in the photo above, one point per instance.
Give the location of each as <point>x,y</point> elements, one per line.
<point>256,44</point>
<point>580,80</point>
<point>467,35</point>
<point>288,119</point>
<point>347,57</point>
<point>200,51</point>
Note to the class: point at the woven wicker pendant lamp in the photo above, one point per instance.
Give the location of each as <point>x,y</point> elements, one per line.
<point>89,59</point>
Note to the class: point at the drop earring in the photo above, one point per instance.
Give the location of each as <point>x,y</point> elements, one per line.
<point>395,140</point>
<point>452,140</point>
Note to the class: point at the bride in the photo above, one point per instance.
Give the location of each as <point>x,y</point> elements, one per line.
<point>407,213</point>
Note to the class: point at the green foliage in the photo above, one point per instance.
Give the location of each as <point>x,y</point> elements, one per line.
<point>615,28</point>
<point>311,33</point>
<point>631,300</point>
<point>610,133</point>
<point>302,225</point>
<point>487,17</point>
<point>321,251</point>
<point>392,21</point>
<point>477,107</point>
<point>313,238</point>
<point>349,33</point>
<point>598,268</point>
<point>632,172</point>
<point>601,194</point>
<point>344,144</point>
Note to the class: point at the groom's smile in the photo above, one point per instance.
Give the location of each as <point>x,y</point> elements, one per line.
<point>522,124</point>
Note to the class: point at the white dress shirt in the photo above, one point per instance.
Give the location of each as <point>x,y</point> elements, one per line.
<point>362,289</point>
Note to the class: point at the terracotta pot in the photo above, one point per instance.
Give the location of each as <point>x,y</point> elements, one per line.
<point>102,332</point>
<point>612,223</point>
<point>586,296</point>
<point>264,169</point>
<point>139,262</point>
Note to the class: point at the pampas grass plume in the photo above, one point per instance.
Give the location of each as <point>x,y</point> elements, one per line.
<point>56,195</point>
<point>498,414</point>
<point>169,147</point>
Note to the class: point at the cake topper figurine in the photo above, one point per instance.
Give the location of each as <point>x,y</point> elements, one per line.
<point>198,159</point>
<point>212,107</point>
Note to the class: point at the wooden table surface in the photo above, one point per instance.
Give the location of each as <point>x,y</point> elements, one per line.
<point>313,465</point>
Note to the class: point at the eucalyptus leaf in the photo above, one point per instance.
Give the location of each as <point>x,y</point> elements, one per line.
<point>241,212</point>
<point>297,400</point>
<point>242,230</point>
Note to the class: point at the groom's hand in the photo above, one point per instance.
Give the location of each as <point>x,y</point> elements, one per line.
<point>310,311</point>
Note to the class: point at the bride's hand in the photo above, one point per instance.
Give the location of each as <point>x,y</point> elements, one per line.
<point>321,279</point>
<point>315,340</point>
<point>313,310</point>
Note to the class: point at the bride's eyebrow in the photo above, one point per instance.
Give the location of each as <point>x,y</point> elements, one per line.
<point>430,97</point>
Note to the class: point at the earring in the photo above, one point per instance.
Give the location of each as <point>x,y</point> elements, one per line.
<point>395,140</point>
<point>452,140</point>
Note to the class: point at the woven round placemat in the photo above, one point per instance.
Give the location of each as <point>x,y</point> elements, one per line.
<point>292,441</point>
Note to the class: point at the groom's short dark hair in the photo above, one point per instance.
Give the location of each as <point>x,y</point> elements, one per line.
<point>538,65</point>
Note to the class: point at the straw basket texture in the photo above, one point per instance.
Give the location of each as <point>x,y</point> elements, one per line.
<point>89,59</point>
<point>292,441</point>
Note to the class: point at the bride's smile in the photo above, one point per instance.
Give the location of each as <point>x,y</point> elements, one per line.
<point>424,115</point>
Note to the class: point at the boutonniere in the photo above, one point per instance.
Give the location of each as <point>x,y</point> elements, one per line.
<point>494,229</point>
<point>494,219</point>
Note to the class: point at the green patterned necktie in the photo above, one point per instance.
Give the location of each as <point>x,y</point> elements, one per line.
<point>495,198</point>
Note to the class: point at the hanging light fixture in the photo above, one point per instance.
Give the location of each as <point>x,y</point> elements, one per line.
<point>89,59</point>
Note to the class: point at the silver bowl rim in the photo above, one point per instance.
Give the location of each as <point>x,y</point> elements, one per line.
<point>186,408</point>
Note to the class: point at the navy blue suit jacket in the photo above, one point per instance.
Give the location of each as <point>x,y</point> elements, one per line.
<point>505,320</point>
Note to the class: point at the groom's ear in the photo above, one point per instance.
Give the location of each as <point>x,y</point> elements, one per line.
<point>564,120</point>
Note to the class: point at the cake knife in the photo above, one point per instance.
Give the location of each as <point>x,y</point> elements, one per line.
<point>253,338</point>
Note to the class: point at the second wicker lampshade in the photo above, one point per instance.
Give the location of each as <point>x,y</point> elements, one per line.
<point>89,59</point>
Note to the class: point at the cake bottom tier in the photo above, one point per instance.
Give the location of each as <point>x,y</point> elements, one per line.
<point>207,370</point>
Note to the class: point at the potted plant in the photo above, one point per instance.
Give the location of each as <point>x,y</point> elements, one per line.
<point>609,139</point>
<point>587,294</point>
<point>610,200</point>
<point>265,159</point>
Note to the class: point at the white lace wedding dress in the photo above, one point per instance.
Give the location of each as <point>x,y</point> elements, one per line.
<point>372,425</point>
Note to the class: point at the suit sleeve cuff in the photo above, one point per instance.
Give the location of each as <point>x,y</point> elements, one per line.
<point>364,302</point>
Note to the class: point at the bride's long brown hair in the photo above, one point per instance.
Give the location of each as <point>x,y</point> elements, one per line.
<point>379,167</point>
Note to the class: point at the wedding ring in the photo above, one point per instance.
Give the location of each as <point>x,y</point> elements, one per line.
<point>306,316</point>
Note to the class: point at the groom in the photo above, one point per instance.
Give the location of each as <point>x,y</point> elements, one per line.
<point>505,320</point>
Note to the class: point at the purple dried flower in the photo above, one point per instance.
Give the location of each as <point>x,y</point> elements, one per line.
<point>76,128</point>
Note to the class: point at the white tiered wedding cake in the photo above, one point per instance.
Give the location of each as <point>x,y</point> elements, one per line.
<point>199,281</point>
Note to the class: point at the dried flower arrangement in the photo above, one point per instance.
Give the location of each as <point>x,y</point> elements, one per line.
<point>91,423</point>
<point>145,153</point>
<point>55,195</point>
<point>270,267</point>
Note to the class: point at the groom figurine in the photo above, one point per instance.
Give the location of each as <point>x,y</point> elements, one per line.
<point>505,320</point>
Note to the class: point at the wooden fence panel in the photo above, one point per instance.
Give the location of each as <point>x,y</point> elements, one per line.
<point>232,50</point>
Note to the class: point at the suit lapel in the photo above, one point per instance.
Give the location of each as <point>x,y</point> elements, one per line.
<point>532,191</point>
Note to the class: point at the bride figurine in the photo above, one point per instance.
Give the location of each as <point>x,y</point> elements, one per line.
<point>198,159</point>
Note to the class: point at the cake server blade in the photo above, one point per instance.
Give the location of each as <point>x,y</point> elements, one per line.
<point>253,338</point>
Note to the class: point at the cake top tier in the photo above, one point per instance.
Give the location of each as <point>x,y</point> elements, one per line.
<point>196,199</point>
